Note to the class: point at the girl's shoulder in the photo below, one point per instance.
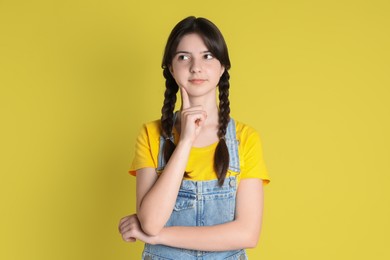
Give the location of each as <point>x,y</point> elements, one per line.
<point>247,135</point>
<point>154,125</point>
<point>244,130</point>
<point>150,131</point>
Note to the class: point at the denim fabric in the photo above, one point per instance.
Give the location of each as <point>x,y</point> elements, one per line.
<point>202,203</point>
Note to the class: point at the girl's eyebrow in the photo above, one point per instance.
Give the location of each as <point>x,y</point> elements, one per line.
<point>187,52</point>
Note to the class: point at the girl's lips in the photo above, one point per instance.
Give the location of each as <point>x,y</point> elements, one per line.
<point>197,81</point>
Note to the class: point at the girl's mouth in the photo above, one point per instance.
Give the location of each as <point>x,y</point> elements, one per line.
<point>197,81</point>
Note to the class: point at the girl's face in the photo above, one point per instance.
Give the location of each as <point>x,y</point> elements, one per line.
<point>194,67</point>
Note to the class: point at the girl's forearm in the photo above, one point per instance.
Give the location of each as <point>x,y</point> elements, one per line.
<point>157,205</point>
<point>229,236</point>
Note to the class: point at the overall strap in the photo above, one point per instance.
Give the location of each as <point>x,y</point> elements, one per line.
<point>231,142</point>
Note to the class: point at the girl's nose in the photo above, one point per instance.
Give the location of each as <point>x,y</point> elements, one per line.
<point>196,66</point>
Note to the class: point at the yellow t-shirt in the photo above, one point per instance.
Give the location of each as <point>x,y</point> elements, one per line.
<point>201,160</point>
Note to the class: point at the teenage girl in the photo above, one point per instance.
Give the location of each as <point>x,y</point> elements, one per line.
<point>200,174</point>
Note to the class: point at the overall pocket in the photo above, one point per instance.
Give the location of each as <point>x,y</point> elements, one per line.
<point>219,208</point>
<point>184,211</point>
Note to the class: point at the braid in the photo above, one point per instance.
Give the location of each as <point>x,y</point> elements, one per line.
<point>167,113</point>
<point>221,156</point>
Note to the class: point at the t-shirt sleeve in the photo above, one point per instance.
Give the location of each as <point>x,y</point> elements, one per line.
<point>253,162</point>
<point>143,152</point>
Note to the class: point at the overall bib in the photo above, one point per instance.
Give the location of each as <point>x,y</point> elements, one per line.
<point>202,203</point>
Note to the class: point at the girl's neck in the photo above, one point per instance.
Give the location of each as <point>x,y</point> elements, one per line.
<point>210,107</point>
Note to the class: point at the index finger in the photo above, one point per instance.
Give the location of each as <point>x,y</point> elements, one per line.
<point>185,101</point>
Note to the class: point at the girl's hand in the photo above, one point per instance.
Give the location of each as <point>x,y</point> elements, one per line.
<point>130,229</point>
<point>192,119</point>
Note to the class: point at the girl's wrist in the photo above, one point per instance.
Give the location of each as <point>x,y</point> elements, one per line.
<point>184,143</point>
<point>155,240</point>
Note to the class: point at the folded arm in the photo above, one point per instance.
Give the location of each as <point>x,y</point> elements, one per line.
<point>243,232</point>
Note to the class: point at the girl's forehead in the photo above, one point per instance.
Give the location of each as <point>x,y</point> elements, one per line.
<point>191,41</point>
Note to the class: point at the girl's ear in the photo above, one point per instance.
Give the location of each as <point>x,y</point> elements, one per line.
<point>170,69</point>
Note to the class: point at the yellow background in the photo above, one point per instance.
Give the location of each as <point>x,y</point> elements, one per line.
<point>79,77</point>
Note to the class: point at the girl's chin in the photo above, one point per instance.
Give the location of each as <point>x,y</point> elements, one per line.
<point>201,94</point>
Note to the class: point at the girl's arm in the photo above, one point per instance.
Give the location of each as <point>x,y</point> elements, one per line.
<point>156,197</point>
<point>243,232</point>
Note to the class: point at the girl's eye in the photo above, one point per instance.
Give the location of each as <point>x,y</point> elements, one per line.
<point>208,56</point>
<point>183,57</point>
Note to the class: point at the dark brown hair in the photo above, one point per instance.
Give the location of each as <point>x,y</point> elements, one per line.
<point>216,44</point>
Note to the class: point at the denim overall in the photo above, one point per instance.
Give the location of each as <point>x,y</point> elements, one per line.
<point>202,203</point>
